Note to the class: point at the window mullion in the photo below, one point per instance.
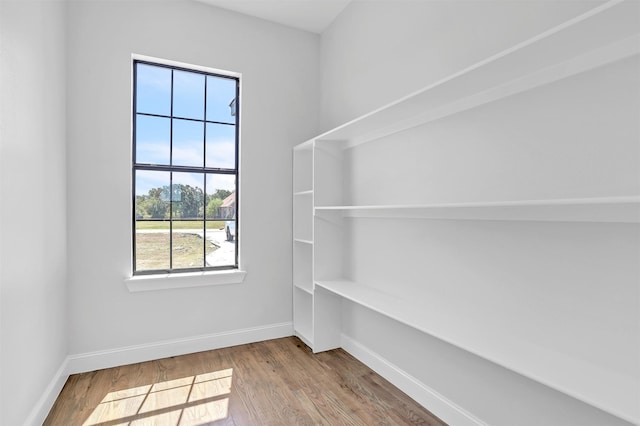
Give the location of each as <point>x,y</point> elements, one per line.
<point>204,165</point>
<point>171,180</point>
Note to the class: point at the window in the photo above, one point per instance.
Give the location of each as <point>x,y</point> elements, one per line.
<point>185,169</point>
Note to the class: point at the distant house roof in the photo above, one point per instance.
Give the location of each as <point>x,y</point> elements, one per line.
<point>230,201</point>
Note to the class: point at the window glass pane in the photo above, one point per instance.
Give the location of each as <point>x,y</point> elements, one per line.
<point>188,248</point>
<point>188,196</point>
<point>188,95</point>
<point>221,146</point>
<point>152,249</point>
<point>221,196</point>
<point>221,215</point>
<point>153,89</point>
<point>187,214</point>
<point>220,93</point>
<point>152,139</point>
<point>188,145</point>
<point>152,225</point>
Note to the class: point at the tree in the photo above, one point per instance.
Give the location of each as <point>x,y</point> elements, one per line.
<point>156,208</point>
<point>141,211</point>
<point>221,194</point>
<point>154,205</point>
<point>160,193</point>
<point>213,208</point>
<point>188,201</point>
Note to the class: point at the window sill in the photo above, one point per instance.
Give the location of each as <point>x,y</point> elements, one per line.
<point>191,279</point>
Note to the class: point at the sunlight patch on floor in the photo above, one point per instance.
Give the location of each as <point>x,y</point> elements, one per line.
<point>187,401</point>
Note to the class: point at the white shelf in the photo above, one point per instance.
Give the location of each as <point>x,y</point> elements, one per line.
<point>605,209</point>
<point>368,297</point>
<point>531,361</point>
<point>603,35</point>
<point>305,192</point>
<point>308,145</point>
<point>299,240</point>
<point>302,288</point>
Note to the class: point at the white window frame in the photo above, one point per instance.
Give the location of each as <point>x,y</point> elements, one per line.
<point>178,279</point>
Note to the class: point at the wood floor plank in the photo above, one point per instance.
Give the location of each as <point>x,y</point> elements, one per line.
<point>276,382</point>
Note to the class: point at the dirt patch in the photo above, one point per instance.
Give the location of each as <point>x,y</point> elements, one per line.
<point>152,251</point>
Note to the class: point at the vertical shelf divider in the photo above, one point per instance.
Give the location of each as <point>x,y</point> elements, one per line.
<point>303,242</point>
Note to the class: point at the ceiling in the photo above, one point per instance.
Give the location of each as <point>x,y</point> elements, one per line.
<point>309,15</point>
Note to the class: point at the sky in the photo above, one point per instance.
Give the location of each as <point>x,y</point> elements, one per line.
<point>153,134</point>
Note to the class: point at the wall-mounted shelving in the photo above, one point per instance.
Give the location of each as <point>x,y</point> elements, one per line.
<point>604,209</point>
<point>486,339</point>
<point>574,191</point>
<point>583,43</point>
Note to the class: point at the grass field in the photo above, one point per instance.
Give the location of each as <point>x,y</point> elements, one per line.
<point>178,224</point>
<point>152,250</point>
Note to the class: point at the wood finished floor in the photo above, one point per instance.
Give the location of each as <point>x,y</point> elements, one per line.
<point>276,382</point>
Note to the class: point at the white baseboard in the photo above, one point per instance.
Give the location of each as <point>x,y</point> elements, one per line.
<point>97,360</point>
<point>43,406</point>
<point>443,408</point>
<point>90,361</point>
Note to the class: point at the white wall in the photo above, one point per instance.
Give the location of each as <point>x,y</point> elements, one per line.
<point>378,51</point>
<point>280,82</point>
<point>33,287</point>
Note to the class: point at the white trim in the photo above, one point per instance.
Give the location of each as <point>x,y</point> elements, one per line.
<point>192,279</point>
<point>90,361</point>
<point>41,410</point>
<point>443,408</point>
<point>169,62</point>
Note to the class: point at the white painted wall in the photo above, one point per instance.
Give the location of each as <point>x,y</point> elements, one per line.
<point>33,260</point>
<point>280,82</point>
<point>378,51</point>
